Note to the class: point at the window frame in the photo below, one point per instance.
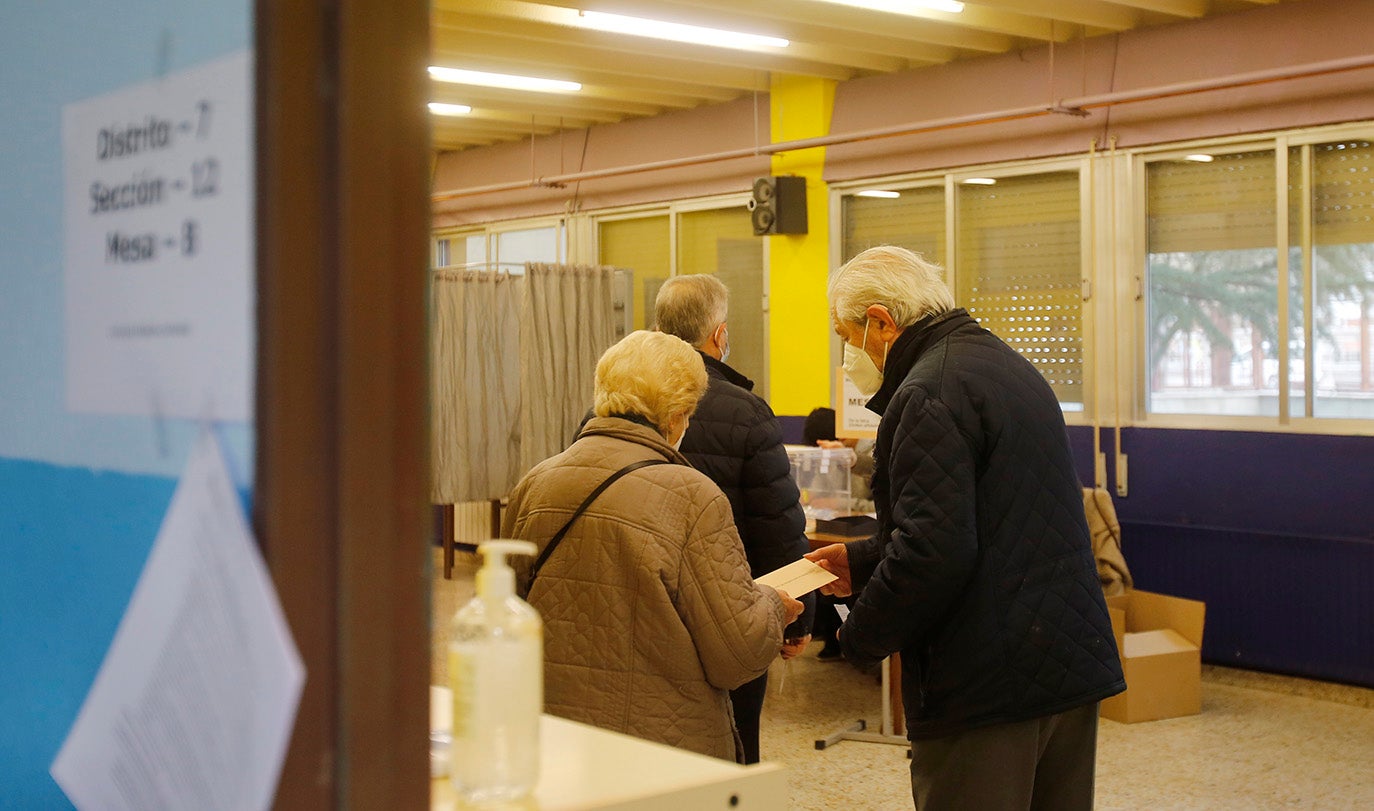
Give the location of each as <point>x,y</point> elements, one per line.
<point>1293,417</point>
<point>950,180</point>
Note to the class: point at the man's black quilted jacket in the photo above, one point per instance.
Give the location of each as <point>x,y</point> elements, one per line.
<point>982,573</point>
<point>735,440</point>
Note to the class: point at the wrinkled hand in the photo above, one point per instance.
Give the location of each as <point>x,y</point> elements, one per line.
<point>791,608</point>
<point>834,559</point>
<point>792,647</point>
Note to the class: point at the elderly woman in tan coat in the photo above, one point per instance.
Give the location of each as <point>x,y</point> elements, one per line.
<point>650,613</point>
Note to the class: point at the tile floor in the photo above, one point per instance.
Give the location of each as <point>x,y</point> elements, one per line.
<point>1261,742</point>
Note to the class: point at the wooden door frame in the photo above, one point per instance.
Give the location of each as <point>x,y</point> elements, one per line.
<point>342,465</point>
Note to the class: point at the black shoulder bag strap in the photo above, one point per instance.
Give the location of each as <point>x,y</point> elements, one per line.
<point>587,502</point>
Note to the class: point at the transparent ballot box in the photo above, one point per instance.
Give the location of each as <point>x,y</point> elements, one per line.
<point>822,476</point>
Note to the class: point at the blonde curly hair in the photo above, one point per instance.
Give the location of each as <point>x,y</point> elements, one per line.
<point>652,374</point>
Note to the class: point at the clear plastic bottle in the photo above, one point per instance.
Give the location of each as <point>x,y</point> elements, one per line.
<point>496,671</point>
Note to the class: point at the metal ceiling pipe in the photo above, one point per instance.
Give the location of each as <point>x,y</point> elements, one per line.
<point>1060,107</point>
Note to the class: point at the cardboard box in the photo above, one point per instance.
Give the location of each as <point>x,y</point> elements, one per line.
<point>1160,640</point>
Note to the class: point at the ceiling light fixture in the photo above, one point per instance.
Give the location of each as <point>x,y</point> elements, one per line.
<point>979,181</point>
<point>502,80</point>
<point>911,8</point>
<point>676,32</point>
<point>884,193</point>
<point>1199,158</point>
<point>439,108</point>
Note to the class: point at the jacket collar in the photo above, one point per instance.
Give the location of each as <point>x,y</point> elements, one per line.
<point>717,368</point>
<point>633,431</point>
<point>909,347</point>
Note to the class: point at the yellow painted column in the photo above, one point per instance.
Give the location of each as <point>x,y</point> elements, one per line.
<point>798,267</point>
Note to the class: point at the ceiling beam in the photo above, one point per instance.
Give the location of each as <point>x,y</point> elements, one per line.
<point>798,58</point>
<point>454,47</point>
<point>591,76</point>
<point>1191,9</point>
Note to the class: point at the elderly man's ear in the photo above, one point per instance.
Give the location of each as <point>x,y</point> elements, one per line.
<point>881,323</point>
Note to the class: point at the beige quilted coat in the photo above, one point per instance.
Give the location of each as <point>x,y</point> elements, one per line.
<point>649,610</point>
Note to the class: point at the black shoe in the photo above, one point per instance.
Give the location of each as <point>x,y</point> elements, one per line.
<point>829,653</point>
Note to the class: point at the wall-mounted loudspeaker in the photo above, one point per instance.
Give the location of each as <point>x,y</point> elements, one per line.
<point>778,205</point>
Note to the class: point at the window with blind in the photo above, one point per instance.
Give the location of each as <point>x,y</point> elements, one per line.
<point>640,245</point>
<point>1336,182</point>
<point>914,220</point>
<point>1019,267</point>
<point>460,249</point>
<point>530,245</point>
<point>721,241</point>
<point>1212,281</point>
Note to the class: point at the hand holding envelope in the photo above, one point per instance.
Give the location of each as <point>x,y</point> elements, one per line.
<point>834,559</point>
<point>797,578</point>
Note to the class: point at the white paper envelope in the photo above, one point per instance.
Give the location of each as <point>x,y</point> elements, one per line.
<point>797,578</point>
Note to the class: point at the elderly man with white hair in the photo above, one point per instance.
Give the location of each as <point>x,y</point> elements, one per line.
<point>981,574</point>
<point>649,610</point>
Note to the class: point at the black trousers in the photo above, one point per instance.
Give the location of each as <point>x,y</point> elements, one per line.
<point>747,701</point>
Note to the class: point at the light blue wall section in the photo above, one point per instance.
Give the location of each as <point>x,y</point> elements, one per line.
<point>54,53</point>
<point>81,497</point>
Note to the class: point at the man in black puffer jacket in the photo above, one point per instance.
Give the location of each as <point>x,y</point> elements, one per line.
<point>982,573</point>
<point>735,440</point>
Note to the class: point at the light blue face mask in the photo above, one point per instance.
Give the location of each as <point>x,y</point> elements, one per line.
<point>724,343</point>
<point>860,368</point>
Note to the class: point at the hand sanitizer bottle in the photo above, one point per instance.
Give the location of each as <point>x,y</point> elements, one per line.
<point>496,671</point>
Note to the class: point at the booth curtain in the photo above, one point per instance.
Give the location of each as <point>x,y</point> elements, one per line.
<point>513,358</point>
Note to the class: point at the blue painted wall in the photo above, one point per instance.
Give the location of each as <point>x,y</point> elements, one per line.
<point>1275,532</point>
<point>81,496</point>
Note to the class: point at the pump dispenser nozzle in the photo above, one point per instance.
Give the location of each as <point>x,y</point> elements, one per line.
<point>496,579</point>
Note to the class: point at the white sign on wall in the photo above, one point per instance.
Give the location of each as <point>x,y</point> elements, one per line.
<point>852,419</point>
<point>159,249</point>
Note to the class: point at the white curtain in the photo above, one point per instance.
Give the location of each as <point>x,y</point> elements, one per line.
<point>568,320</point>
<point>513,358</point>
<point>475,384</point>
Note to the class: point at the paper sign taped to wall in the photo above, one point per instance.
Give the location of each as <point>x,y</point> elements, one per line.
<point>853,420</point>
<point>195,701</point>
<point>797,578</point>
<point>159,246</point>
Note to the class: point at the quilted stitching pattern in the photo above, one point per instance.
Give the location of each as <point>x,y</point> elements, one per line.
<point>986,582</point>
<point>650,612</point>
<point>735,439</point>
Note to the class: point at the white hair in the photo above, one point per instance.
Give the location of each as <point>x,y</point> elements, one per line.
<point>907,285</point>
<point>691,307</point>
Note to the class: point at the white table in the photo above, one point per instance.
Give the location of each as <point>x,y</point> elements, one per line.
<point>582,768</point>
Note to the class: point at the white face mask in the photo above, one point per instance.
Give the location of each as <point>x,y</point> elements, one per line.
<point>724,344</point>
<point>860,368</point>
<point>677,446</point>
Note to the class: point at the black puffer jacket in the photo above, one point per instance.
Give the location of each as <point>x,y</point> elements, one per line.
<point>982,573</point>
<point>736,441</point>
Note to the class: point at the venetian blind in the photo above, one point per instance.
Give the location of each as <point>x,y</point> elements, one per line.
<point>915,221</point>
<point>1343,193</point>
<point>1224,204</point>
<point>1020,267</point>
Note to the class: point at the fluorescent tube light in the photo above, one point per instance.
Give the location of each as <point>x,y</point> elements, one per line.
<point>439,108</point>
<point>979,181</point>
<point>1199,158</point>
<point>503,80</point>
<point>911,8</point>
<point>878,193</point>
<point>676,32</point>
